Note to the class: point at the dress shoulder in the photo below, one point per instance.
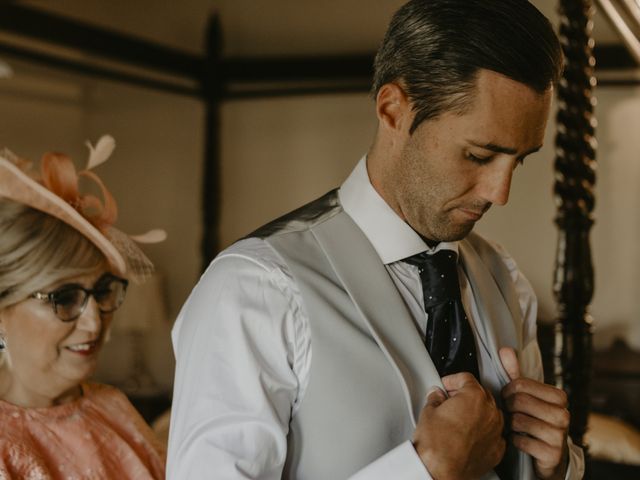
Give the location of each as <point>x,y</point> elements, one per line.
<point>115,405</point>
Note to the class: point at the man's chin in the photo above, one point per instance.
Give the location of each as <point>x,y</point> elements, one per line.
<point>458,233</point>
<point>448,227</point>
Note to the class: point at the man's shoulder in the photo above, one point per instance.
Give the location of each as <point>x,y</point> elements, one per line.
<point>248,272</point>
<point>302,218</point>
<point>254,256</point>
<point>248,254</point>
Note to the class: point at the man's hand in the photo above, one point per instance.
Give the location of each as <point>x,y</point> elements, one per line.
<point>459,437</point>
<point>539,411</point>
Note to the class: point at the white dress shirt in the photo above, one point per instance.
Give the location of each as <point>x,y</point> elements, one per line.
<point>244,350</point>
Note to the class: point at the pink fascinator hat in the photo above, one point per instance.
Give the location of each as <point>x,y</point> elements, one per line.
<point>55,191</point>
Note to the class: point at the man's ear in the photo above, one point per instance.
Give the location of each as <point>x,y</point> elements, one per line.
<point>393,108</point>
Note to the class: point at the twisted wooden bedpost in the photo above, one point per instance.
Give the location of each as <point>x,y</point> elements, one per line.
<point>575,179</point>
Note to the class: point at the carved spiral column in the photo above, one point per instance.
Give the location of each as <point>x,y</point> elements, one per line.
<point>575,179</point>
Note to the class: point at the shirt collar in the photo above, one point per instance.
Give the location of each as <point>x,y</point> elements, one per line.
<point>390,236</point>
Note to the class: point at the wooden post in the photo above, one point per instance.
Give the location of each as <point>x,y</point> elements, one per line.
<point>212,90</point>
<point>575,179</point>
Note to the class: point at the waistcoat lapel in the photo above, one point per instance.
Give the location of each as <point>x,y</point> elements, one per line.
<point>501,318</point>
<point>497,328</point>
<point>376,298</point>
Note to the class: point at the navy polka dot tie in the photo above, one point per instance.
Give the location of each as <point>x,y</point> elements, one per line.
<point>449,338</point>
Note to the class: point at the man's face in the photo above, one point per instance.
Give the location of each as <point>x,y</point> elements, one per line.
<point>453,168</point>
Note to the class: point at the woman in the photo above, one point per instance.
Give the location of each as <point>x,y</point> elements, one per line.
<point>63,273</point>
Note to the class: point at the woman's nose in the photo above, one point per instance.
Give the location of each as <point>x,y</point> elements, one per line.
<point>90,320</point>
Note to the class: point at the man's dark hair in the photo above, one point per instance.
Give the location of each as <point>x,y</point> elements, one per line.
<point>435,48</point>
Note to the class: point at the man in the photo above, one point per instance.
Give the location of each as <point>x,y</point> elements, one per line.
<point>321,346</point>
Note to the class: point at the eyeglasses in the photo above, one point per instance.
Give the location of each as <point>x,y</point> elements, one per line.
<point>69,301</point>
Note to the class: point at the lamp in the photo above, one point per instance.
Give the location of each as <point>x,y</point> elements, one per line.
<point>5,69</point>
<point>143,311</point>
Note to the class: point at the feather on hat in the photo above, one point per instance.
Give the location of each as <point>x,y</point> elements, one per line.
<point>56,192</point>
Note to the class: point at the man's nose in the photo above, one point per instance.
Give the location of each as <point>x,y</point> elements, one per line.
<point>495,183</point>
<point>90,320</point>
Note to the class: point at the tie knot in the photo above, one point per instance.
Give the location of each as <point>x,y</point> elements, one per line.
<point>438,274</point>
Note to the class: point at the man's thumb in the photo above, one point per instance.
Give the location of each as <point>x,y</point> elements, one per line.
<point>510,362</point>
<point>435,397</point>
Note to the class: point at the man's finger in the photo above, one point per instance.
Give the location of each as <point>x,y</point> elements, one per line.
<point>538,408</point>
<point>548,393</point>
<point>457,381</point>
<point>510,362</point>
<point>435,397</point>
<point>547,458</point>
<point>536,428</point>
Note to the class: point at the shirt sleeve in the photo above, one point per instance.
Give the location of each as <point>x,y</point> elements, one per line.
<point>576,462</point>
<point>235,344</point>
<point>243,351</point>
<point>402,463</point>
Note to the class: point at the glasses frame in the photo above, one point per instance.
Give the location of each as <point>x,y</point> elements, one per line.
<point>89,292</point>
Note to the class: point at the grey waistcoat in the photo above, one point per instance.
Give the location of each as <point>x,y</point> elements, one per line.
<point>370,371</point>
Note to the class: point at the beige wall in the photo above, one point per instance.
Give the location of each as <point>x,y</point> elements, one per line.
<point>279,153</point>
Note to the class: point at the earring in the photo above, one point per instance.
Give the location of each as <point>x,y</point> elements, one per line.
<point>3,343</point>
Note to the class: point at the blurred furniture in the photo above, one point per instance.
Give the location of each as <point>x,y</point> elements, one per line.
<point>625,16</point>
<point>613,426</point>
<point>572,364</point>
<point>152,407</point>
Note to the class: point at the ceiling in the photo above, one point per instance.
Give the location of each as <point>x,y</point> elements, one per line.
<point>259,27</point>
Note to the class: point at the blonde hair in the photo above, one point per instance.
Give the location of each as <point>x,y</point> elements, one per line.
<point>37,250</point>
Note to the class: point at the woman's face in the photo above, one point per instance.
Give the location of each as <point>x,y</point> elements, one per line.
<point>48,358</point>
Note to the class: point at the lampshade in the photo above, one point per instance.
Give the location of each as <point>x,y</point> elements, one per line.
<point>144,307</point>
<point>5,69</point>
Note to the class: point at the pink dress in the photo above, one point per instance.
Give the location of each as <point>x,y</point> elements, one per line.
<point>98,436</point>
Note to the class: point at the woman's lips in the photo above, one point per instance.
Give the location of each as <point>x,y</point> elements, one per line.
<point>87,348</point>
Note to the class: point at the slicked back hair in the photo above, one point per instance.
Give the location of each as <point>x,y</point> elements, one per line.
<point>434,50</point>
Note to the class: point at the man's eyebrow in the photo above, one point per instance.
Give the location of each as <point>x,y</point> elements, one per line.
<point>500,149</point>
